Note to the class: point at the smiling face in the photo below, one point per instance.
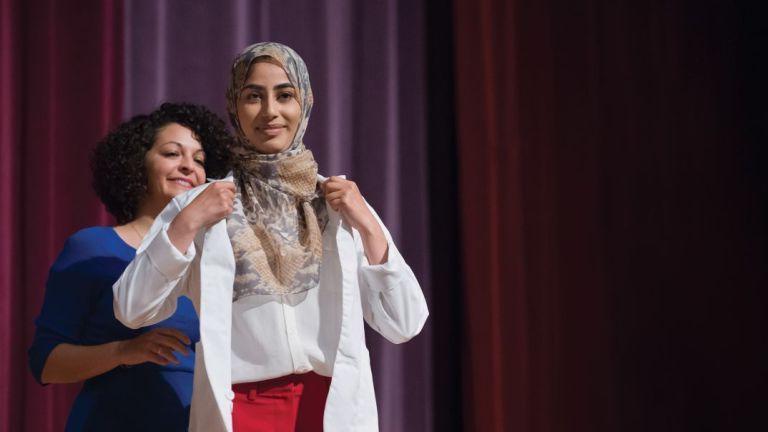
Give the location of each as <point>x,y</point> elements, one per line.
<point>174,164</point>
<point>268,108</point>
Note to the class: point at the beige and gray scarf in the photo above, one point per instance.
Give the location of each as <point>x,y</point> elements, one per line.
<point>276,228</point>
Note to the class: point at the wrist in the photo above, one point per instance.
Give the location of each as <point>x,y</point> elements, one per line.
<point>118,352</point>
<point>184,225</point>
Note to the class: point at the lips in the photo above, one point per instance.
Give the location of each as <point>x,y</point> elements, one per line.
<point>186,184</point>
<point>272,130</point>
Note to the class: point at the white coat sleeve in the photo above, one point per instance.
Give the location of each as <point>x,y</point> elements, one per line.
<point>147,291</point>
<point>393,303</point>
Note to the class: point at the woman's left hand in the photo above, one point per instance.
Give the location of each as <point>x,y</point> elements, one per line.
<point>344,197</point>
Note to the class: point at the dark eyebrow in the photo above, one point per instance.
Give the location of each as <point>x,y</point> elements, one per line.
<point>178,144</point>
<point>283,85</point>
<point>258,87</point>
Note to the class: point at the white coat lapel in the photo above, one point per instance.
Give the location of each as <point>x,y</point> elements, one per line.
<point>339,410</point>
<point>216,280</point>
<point>213,389</point>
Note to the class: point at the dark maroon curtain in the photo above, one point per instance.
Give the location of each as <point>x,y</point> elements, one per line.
<point>612,215</point>
<point>61,81</point>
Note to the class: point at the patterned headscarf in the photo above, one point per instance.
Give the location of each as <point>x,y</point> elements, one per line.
<point>276,228</point>
<point>297,75</point>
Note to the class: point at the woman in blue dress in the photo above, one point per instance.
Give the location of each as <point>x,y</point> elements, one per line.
<point>133,379</point>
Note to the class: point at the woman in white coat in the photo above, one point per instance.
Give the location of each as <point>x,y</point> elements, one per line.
<point>283,266</point>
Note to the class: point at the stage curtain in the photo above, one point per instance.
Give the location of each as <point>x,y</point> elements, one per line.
<point>61,81</point>
<point>612,214</point>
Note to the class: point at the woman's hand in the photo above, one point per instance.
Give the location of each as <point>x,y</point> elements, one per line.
<point>212,205</point>
<point>155,346</point>
<point>344,197</point>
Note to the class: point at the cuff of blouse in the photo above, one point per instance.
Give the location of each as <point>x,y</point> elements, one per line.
<point>387,275</point>
<point>166,258</point>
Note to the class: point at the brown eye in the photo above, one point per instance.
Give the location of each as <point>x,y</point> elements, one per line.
<point>251,97</point>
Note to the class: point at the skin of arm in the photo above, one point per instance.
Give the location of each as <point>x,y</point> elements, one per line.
<point>374,242</point>
<point>69,363</point>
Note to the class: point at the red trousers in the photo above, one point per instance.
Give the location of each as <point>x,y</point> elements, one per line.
<point>286,404</point>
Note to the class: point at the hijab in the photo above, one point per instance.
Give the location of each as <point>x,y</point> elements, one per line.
<point>276,228</point>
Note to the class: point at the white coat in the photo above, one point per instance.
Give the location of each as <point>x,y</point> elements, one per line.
<point>146,293</point>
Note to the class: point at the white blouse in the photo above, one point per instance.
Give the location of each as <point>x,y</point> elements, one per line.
<point>279,335</point>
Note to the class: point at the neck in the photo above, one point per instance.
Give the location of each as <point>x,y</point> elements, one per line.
<point>147,213</point>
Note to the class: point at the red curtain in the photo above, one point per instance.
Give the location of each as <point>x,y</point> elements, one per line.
<point>61,81</point>
<point>612,244</point>
<point>534,275</point>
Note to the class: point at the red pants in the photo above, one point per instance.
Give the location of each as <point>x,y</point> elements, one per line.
<point>286,404</point>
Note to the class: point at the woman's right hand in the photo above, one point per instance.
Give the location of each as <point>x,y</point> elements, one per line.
<point>155,346</point>
<point>212,205</point>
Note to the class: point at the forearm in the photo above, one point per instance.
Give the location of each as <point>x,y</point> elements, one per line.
<point>393,303</point>
<point>69,363</point>
<point>182,232</point>
<point>374,242</point>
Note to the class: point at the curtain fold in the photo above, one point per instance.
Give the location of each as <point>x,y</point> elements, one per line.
<point>612,254</point>
<point>62,90</point>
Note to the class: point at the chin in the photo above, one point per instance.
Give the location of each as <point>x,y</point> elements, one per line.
<point>269,147</point>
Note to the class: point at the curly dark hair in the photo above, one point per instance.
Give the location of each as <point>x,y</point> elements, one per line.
<point>117,162</point>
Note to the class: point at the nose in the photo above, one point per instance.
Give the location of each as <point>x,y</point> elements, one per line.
<point>269,108</point>
<point>187,164</point>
